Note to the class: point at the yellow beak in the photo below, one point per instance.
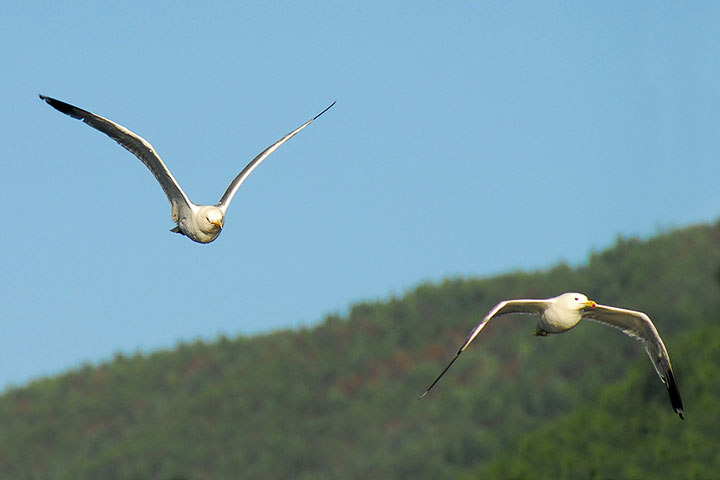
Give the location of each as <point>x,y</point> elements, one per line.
<point>590,303</point>
<point>218,223</point>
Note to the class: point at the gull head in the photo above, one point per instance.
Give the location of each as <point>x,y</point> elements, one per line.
<point>563,313</point>
<point>208,222</point>
<point>575,301</point>
<point>202,224</point>
<point>211,219</point>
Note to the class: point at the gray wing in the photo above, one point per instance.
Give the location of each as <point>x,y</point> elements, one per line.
<point>505,307</point>
<point>639,326</point>
<point>237,181</point>
<point>132,142</point>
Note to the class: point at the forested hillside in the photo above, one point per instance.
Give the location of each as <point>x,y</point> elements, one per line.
<point>340,400</point>
<point>623,433</point>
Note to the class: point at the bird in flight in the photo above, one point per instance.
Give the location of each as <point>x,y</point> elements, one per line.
<point>560,314</point>
<point>200,223</point>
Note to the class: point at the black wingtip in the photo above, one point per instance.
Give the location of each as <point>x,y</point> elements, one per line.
<point>441,374</point>
<point>675,398</point>
<point>47,100</point>
<point>63,107</point>
<point>326,109</point>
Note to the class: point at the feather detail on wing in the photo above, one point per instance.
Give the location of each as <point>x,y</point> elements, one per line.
<point>639,326</point>
<point>503,308</point>
<point>132,142</point>
<point>232,189</point>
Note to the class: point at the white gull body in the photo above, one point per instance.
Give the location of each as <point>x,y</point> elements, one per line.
<point>560,314</point>
<point>200,223</point>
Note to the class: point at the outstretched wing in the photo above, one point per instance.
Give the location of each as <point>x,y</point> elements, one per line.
<point>132,142</point>
<point>503,308</point>
<point>639,326</point>
<point>237,181</point>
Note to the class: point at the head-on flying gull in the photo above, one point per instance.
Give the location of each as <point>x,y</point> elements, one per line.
<point>561,313</point>
<point>201,223</point>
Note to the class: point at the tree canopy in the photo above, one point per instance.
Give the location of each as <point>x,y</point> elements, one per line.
<point>340,400</point>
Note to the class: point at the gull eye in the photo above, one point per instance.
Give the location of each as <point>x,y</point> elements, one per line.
<point>577,299</point>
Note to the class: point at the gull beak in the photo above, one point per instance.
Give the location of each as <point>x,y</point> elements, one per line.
<point>590,303</point>
<point>218,223</point>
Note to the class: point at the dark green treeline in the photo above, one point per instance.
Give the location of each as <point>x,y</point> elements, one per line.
<point>340,400</point>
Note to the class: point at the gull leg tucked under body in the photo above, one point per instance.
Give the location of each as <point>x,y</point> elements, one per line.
<point>201,223</point>
<point>560,314</point>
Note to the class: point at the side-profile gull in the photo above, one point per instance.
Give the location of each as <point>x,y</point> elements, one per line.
<point>560,314</point>
<point>201,223</point>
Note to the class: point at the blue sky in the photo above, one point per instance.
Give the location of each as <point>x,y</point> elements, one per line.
<point>469,138</point>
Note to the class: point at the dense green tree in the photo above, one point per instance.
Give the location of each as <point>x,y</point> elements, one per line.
<point>340,400</point>
<point>625,433</point>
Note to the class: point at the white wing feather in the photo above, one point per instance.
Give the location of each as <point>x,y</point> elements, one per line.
<point>639,326</point>
<point>132,142</point>
<point>524,306</point>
